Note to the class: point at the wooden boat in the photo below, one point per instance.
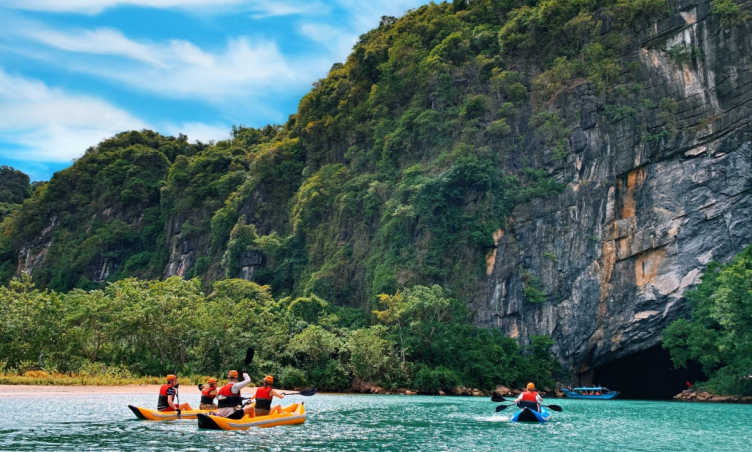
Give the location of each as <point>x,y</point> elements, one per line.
<point>598,393</point>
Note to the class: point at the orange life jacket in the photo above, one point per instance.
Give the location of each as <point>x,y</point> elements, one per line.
<point>227,399</point>
<point>264,398</point>
<point>162,401</point>
<point>206,397</point>
<point>530,396</point>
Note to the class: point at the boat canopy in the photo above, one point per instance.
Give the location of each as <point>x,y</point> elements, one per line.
<point>596,388</point>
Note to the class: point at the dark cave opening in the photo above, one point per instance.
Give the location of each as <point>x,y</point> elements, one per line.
<point>648,374</point>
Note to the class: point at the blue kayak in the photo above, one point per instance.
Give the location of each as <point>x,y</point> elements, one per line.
<point>528,415</point>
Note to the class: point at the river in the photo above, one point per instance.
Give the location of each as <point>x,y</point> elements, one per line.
<point>380,423</point>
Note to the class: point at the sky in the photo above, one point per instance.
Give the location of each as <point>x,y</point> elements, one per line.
<point>75,72</point>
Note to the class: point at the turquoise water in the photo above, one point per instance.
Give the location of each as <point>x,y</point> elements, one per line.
<point>381,423</point>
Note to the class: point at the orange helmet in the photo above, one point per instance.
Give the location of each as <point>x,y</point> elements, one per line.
<point>172,377</point>
<point>269,379</point>
<point>233,374</point>
<point>530,387</point>
<point>212,381</point>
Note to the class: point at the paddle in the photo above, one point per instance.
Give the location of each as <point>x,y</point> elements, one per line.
<point>304,392</point>
<point>551,407</point>
<point>249,354</point>
<point>497,399</point>
<point>177,397</point>
<point>248,358</point>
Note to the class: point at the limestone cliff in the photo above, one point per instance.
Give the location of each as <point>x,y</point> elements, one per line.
<point>640,217</point>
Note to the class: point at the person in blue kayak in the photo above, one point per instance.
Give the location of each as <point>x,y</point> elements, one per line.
<point>229,401</point>
<point>529,398</point>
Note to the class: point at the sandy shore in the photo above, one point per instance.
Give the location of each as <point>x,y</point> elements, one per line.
<point>28,390</point>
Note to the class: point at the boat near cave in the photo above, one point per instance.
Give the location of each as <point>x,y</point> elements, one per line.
<point>591,393</point>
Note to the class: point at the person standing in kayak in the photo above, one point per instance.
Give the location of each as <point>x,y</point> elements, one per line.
<point>529,398</point>
<point>208,394</point>
<point>264,397</point>
<point>167,392</point>
<point>230,403</point>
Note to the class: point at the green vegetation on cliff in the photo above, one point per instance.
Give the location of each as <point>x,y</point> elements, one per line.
<point>420,340</point>
<point>719,333</point>
<point>397,169</point>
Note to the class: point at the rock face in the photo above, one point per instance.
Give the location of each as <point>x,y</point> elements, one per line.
<point>652,198</point>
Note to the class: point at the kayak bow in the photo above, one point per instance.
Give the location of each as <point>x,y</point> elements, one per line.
<point>528,415</point>
<point>148,414</point>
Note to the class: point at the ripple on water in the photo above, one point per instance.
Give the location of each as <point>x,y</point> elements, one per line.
<point>381,423</point>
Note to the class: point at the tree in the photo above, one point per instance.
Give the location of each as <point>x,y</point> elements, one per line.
<point>718,334</point>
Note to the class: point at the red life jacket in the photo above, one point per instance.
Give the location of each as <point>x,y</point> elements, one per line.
<point>227,399</point>
<point>206,397</point>
<point>162,402</point>
<point>264,398</point>
<point>530,396</point>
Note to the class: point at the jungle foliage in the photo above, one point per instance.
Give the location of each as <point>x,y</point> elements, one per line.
<point>391,178</point>
<point>719,333</point>
<point>133,327</point>
<point>396,170</point>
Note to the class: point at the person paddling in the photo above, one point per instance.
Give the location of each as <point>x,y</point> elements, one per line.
<point>529,398</point>
<point>264,397</point>
<point>208,394</point>
<point>167,392</point>
<point>230,403</point>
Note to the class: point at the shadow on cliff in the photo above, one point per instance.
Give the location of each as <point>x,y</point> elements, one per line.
<point>648,374</point>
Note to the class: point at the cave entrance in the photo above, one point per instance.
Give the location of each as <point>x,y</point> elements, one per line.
<point>648,374</point>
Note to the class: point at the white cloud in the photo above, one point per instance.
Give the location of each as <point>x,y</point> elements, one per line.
<point>245,68</point>
<point>260,8</point>
<point>49,124</point>
<point>199,131</point>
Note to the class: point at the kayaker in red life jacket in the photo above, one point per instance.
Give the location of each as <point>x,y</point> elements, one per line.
<point>166,401</point>
<point>208,394</point>
<point>529,398</point>
<point>230,402</point>
<point>264,397</point>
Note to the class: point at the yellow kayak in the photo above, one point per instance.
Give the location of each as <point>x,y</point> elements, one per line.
<point>148,414</point>
<point>290,415</point>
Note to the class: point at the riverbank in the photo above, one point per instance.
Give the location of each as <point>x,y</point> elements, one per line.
<point>692,395</point>
<point>42,390</point>
<point>41,378</point>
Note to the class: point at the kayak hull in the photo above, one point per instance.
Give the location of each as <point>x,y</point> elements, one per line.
<point>148,414</point>
<point>291,415</point>
<point>528,415</point>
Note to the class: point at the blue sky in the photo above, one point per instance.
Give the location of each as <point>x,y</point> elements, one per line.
<point>73,72</point>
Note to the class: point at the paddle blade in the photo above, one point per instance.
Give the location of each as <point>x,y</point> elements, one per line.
<point>553,407</point>
<point>502,408</point>
<point>309,392</point>
<point>497,399</point>
<point>249,356</point>
<point>200,387</point>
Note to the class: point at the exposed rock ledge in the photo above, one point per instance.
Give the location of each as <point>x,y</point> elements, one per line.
<point>691,395</point>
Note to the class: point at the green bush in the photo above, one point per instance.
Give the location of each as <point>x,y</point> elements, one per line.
<point>719,333</point>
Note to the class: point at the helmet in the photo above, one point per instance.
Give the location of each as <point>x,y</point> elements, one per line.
<point>172,377</point>
<point>233,374</point>
<point>212,380</point>
<point>530,387</point>
<point>269,379</point>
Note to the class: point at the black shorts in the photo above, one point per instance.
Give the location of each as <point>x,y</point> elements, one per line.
<point>261,412</point>
<point>237,415</point>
